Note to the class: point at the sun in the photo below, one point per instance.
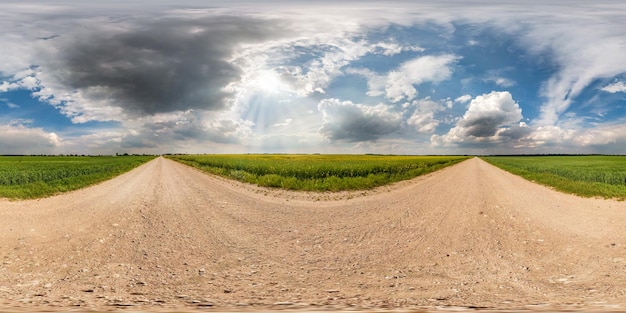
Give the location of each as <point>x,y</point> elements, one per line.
<point>268,82</point>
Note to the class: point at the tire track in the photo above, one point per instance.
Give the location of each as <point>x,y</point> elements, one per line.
<point>167,235</point>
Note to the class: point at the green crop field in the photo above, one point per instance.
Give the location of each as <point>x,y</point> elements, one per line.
<point>588,176</point>
<point>26,177</point>
<point>318,172</point>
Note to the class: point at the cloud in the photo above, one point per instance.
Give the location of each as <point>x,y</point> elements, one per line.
<point>496,76</point>
<point>390,48</point>
<point>509,134</point>
<point>228,131</point>
<point>308,63</point>
<point>293,142</point>
<point>550,135</point>
<point>398,84</point>
<point>20,122</point>
<point>287,122</point>
<point>423,118</point>
<point>174,75</point>
<point>9,104</point>
<point>500,81</point>
<point>17,138</point>
<point>490,117</point>
<point>327,59</point>
<point>615,87</point>
<point>488,112</point>
<point>21,80</point>
<point>609,137</point>
<point>584,47</point>
<point>463,99</point>
<point>149,66</point>
<point>190,131</point>
<point>193,126</point>
<point>354,122</point>
<point>6,86</point>
<point>186,132</point>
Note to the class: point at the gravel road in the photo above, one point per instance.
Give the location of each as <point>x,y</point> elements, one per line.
<point>166,236</point>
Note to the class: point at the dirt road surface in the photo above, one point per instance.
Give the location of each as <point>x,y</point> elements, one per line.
<point>168,237</point>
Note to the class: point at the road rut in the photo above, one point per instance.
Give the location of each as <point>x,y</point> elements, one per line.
<point>168,236</point>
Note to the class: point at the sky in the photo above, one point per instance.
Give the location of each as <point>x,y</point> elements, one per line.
<point>409,77</point>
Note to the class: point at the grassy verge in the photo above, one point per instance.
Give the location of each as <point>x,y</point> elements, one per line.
<point>587,176</point>
<point>28,177</point>
<point>318,172</point>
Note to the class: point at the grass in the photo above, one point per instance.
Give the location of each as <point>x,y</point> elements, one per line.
<point>318,172</point>
<point>28,177</point>
<point>587,176</point>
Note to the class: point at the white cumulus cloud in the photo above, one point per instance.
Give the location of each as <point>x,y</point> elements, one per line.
<point>17,138</point>
<point>490,118</point>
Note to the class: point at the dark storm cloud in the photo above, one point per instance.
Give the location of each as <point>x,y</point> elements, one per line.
<point>483,126</point>
<point>156,66</point>
<point>516,132</point>
<point>356,122</point>
<point>134,142</point>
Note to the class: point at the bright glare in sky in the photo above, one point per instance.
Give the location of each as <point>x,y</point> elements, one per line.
<point>268,82</point>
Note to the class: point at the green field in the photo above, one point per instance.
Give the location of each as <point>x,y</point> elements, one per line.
<point>318,172</point>
<point>27,177</point>
<point>587,176</point>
